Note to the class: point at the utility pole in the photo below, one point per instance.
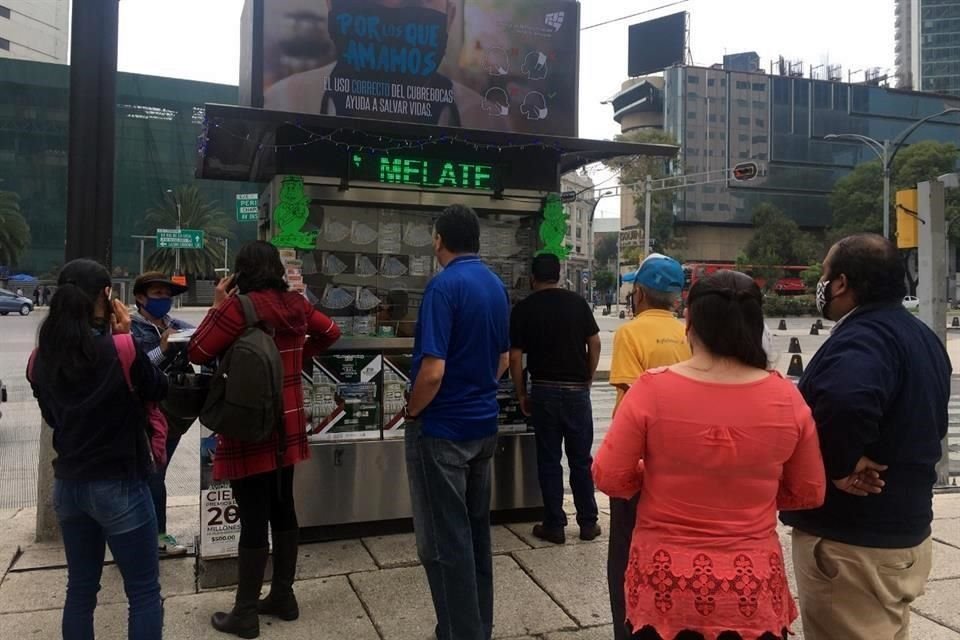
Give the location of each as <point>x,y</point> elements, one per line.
<point>932,271</point>
<point>648,207</point>
<point>90,167</point>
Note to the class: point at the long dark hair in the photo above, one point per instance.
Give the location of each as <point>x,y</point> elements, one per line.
<point>258,267</point>
<point>66,347</point>
<point>726,313</point>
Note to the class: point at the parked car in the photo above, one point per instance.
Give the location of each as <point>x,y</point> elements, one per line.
<point>9,301</point>
<point>912,303</point>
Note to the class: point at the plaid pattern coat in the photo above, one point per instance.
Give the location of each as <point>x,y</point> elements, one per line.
<point>300,332</point>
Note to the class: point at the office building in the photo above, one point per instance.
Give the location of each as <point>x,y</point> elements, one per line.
<point>577,270</point>
<point>928,45</point>
<point>158,124</point>
<point>723,117</point>
<point>35,30</point>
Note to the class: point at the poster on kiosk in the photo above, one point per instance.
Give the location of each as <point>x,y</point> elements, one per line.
<point>475,64</point>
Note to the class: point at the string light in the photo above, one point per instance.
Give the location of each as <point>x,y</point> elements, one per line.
<point>386,144</point>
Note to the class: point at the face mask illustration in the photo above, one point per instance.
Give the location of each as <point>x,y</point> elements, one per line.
<point>497,62</point>
<point>535,65</point>
<point>496,103</point>
<point>535,106</point>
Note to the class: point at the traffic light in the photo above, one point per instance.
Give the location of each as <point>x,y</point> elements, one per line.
<point>907,219</point>
<point>745,171</point>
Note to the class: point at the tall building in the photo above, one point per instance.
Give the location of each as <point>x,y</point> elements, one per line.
<point>576,273</point>
<point>158,124</point>
<point>35,30</point>
<point>928,45</point>
<point>722,118</point>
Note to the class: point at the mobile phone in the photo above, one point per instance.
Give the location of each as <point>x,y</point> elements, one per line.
<point>223,272</point>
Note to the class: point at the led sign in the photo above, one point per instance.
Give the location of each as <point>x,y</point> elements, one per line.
<point>423,172</point>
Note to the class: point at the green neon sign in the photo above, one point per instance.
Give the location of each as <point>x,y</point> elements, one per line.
<point>422,172</point>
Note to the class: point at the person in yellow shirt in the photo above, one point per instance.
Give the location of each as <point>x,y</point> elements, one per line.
<point>654,338</point>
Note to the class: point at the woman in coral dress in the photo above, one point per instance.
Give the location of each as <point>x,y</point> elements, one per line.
<point>715,446</point>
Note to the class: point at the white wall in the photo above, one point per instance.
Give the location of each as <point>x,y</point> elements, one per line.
<point>37,30</point>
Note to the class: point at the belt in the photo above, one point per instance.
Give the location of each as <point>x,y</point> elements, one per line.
<point>552,384</point>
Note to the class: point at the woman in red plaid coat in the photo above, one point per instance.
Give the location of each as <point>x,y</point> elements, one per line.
<point>300,332</point>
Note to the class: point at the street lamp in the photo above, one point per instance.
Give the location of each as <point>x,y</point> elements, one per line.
<point>887,151</point>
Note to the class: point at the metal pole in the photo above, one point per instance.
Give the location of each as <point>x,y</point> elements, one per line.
<point>141,256</point>
<point>226,255</point>
<point>648,205</point>
<point>619,233</point>
<point>931,266</point>
<point>886,189</point>
<point>178,229</point>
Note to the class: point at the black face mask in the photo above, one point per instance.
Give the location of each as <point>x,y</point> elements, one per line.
<point>378,42</point>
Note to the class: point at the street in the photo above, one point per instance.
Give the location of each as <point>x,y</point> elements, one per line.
<point>20,424</point>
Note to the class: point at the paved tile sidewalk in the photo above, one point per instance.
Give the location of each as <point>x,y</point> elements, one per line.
<point>372,588</point>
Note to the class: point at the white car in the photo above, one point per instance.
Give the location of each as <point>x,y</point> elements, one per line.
<point>910,302</point>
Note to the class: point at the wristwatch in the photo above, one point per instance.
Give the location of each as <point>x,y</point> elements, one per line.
<point>406,413</point>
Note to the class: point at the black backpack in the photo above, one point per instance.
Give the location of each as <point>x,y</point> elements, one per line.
<point>245,401</point>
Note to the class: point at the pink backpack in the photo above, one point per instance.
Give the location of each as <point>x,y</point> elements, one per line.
<point>156,421</point>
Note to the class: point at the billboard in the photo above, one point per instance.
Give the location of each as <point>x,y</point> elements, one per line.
<point>657,44</point>
<point>500,65</point>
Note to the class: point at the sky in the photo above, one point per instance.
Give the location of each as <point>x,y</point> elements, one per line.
<point>200,40</point>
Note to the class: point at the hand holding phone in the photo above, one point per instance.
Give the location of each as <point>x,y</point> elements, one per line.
<point>119,317</point>
<point>225,288</point>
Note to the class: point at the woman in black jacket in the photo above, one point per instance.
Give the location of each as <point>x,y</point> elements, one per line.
<point>103,450</point>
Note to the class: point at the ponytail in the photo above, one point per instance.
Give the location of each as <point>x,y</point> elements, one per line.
<point>726,314</point>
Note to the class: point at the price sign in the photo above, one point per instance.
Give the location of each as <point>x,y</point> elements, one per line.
<point>220,521</point>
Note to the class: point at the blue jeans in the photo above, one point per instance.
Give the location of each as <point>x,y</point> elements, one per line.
<point>119,513</point>
<point>563,417</point>
<point>158,484</point>
<point>450,492</point>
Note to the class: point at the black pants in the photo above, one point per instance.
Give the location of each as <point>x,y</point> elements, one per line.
<point>261,503</point>
<point>623,516</point>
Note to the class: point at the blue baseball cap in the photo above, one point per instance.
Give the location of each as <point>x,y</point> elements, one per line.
<point>658,273</point>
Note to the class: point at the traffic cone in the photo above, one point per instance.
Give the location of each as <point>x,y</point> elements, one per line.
<point>814,330</point>
<point>795,370</point>
<point>956,322</point>
<point>795,345</point>
<point>819,323</point>
<point>782,326</point>
<point>623,314</point>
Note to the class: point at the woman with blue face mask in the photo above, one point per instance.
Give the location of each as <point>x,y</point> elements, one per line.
<point>152,327</point>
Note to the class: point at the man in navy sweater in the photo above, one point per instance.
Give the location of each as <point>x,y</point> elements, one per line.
<point>878,389</point>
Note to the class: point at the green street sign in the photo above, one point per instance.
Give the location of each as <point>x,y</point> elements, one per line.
<point>248,207</point>
<point>179,239</point>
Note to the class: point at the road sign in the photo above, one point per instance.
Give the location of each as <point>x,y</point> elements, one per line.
<point>179,239</point>
<point>746,171</point>
<point>568,196</point>
<point>586,278</point>
<point>248,207</point>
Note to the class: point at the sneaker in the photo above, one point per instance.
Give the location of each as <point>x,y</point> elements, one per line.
<point>168,546</point>
<point>590,532</point>
<point>556,536</point>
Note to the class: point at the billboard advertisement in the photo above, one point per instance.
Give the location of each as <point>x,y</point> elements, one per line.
<point>500,65</point>
<point>657,44</point>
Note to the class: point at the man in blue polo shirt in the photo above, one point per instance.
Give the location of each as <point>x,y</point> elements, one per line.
<point>461,350</point>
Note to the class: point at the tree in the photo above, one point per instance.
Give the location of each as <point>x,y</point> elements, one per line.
<point>606,281</point>
<point>857,198</point>
<point>634,171</point>
<point>777,241</point>
<point>195,213</point>
<point>606,250</point>
<point>14,230</point>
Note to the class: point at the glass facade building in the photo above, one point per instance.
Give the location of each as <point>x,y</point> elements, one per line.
<point>158,121</point>
<point>928,45</point>
<point>725,117</point>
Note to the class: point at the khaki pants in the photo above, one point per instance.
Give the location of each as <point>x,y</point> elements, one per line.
<point>854,593</point>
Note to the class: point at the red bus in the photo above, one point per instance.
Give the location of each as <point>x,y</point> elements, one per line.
<point>789,281</point>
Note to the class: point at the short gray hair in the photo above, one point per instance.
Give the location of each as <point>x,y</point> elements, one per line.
<point>660,299</point>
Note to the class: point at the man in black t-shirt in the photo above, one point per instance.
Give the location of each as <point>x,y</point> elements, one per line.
<point>557,331</point>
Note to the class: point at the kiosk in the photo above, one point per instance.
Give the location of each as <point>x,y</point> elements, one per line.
<point>359,152</point>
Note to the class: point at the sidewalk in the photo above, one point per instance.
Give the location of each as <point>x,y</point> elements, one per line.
<point>372,588</point>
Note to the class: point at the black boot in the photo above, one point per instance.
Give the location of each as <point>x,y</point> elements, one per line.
<point>281,602</point>
<point>243,620</point>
